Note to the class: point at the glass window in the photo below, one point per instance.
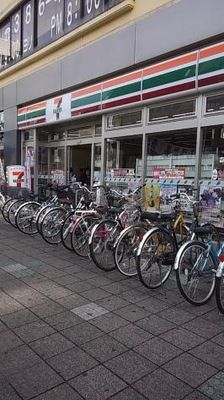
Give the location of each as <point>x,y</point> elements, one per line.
<point>174,110</point>
<point>215,103</point>
<point>85,131</point>
<point>212,166</point>
<point>122,120</point>
<point>123,157</point>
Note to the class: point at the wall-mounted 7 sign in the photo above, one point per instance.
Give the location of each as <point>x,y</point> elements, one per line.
<point>16,176</point>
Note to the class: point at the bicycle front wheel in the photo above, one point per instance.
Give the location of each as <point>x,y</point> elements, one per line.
<point>52,224</point>
<point>101,244</point>
<point>81,234</point>
<point>126,249</point>
<point>155,257</point>
<point>195,272</point>
<point>25,217</point>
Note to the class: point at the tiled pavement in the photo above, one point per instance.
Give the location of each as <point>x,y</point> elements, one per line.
<point>69,331</point>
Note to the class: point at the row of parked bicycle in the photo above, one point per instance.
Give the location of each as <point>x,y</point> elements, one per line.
<point>118,234</point>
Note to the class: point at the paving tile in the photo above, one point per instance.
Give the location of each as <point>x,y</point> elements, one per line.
<point>66,279</point>
<point>19,318</point>
<point>63,320</point>
<point>211,353</point>
<point>17,359</point>
<point>8,305</point>
<point>35,380</point>
<point>190,370</point>
<point>62,392</point>
<point>7,392</point>
<point>152,305</point>
<point>109,322</point>
<point>8,341</point>
<point>79,287</point>
<point>72,363</point>
<point>128,394</point>
<point>116,288</point>
<point>158,351</point>
<point>160,385</point>
<point>97,384</point>
<point>134,295</point>
<point>73,301</point>
<point>132,312</point>
<point>203,327</point>
<point>130,366</point>
<point>195,395</point>
<point>95,294</point>
<point>104,348</point>
<point>82,333</point>
<point>51,345</point>
<point>47,309</point>
<point>155,324</point>
<point>89,311</point>
<point>33,331</point>
<point>171,297</point>
<point>182,338</point>
<point>214,316</point>
<point>219,339</point>
<point>112,303</point>
<point>99,281</point>
<point>176,315</point>
<point>214,387</point>
<point>131,335</point>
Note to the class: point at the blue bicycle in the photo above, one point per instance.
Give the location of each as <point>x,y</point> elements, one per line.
<point>199,270</point>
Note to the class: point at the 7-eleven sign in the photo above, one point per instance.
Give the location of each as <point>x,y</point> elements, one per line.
<point>16,176</point>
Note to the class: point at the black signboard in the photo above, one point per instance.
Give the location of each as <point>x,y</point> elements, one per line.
<point>73,12</point>
<point>28,28</point>
<point>39,22</point>
<point>16,35</point>
<point>5,44</point>
<point>92,8</point>
<point>50,17</point>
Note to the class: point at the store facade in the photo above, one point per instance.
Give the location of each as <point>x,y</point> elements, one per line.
<point>162,122</point>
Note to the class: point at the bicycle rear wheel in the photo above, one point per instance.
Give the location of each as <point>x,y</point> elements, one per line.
<point>219,287</point>
<point>126,249</point>
<point>155,257</point>
<point>195,272</point>
<point>101,244</point>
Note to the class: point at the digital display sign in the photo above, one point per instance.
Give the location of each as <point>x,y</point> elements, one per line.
<point>37,23</point>
<point>28,28</point>
<point>16,36</point>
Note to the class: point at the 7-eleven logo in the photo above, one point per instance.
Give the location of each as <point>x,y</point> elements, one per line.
<point>58,105</point>
<point>19,178</point>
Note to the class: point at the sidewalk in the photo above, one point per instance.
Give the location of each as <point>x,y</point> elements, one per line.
<point>69,331</point>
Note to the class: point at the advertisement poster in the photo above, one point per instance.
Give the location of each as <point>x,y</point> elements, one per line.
<point>210,204</point>
<point>166,190</point>
<point>58,176</point>
<point>168,173</point>
<point>152,196</point>
<point>29,165</point>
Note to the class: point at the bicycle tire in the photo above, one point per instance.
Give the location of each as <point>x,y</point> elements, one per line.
<point>125,249</point>
<point>155,257</point>
<point>52,224</point>
<point>101,244</point>
<point>66,233</point>
<point>27,223</point>
<point>40,215</point>
<point>81,234</point>
<point>185,276</point>
<point>5,209</point>
<point>12,211</point>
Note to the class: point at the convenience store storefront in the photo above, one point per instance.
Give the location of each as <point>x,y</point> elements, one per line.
<point>163,123</point>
